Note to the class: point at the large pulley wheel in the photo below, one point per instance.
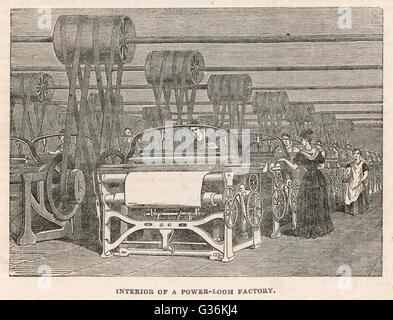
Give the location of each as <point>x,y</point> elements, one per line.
<point>231,212</point>
<point>43,90</point>
<point>254,211</point>
<point>279,203</point>
<point>64,207</point>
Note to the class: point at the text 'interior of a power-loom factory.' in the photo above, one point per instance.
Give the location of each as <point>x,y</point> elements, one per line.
<point>196,142</point>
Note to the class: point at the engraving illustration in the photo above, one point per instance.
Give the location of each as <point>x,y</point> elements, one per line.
<point>196,142</point>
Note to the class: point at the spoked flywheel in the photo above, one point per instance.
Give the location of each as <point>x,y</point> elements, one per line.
<point>231,212</point>
<point>254,210</point>
<point>279,203</point>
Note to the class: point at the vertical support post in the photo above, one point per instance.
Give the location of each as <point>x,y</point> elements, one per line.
<point>276,229</point>
<point>229,254</point>
<point>256,237</point>
<point>106,228</point>
<point>27,236</point>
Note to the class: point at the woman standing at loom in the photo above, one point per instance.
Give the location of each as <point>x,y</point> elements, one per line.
<point>355,174</point>
<point>313,218</point>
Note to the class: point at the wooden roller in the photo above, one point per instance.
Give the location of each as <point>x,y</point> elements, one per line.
<point>105,30</point>
<point>112,178</point>
<point>229,87</point>
<point>212,199</point>
<point>174,66</point>
<point>35,85</point>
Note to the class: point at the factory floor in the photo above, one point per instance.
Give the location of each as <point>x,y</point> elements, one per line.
<point>356,242</point>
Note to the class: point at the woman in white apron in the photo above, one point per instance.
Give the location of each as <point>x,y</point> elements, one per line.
<point>356,172</point>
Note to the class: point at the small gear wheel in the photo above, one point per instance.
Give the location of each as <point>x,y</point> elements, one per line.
<point>229,192</point>
<point>278,179</point>
<point>338,185</point>
<point>253,182</point>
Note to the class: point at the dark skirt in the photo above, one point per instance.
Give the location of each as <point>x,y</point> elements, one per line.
<point>313,218</point>
<point>358,206</point>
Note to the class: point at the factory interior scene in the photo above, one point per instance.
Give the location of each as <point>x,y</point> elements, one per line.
<point>196,142</point>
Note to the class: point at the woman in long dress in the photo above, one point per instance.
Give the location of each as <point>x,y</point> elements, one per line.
<point>313,219</point>
<point>356,172</point>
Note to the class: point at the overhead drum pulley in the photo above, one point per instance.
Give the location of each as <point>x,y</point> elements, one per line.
<point>227,87</point>
<point>37,86</point>
<point>170,66</point>
<point>175,70</point>
<point>229,90</point>
<point>300,117</point>
<point>108,31</point>
<point>270,107</point>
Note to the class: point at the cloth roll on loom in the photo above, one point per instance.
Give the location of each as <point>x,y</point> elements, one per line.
<point>107,30</point>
